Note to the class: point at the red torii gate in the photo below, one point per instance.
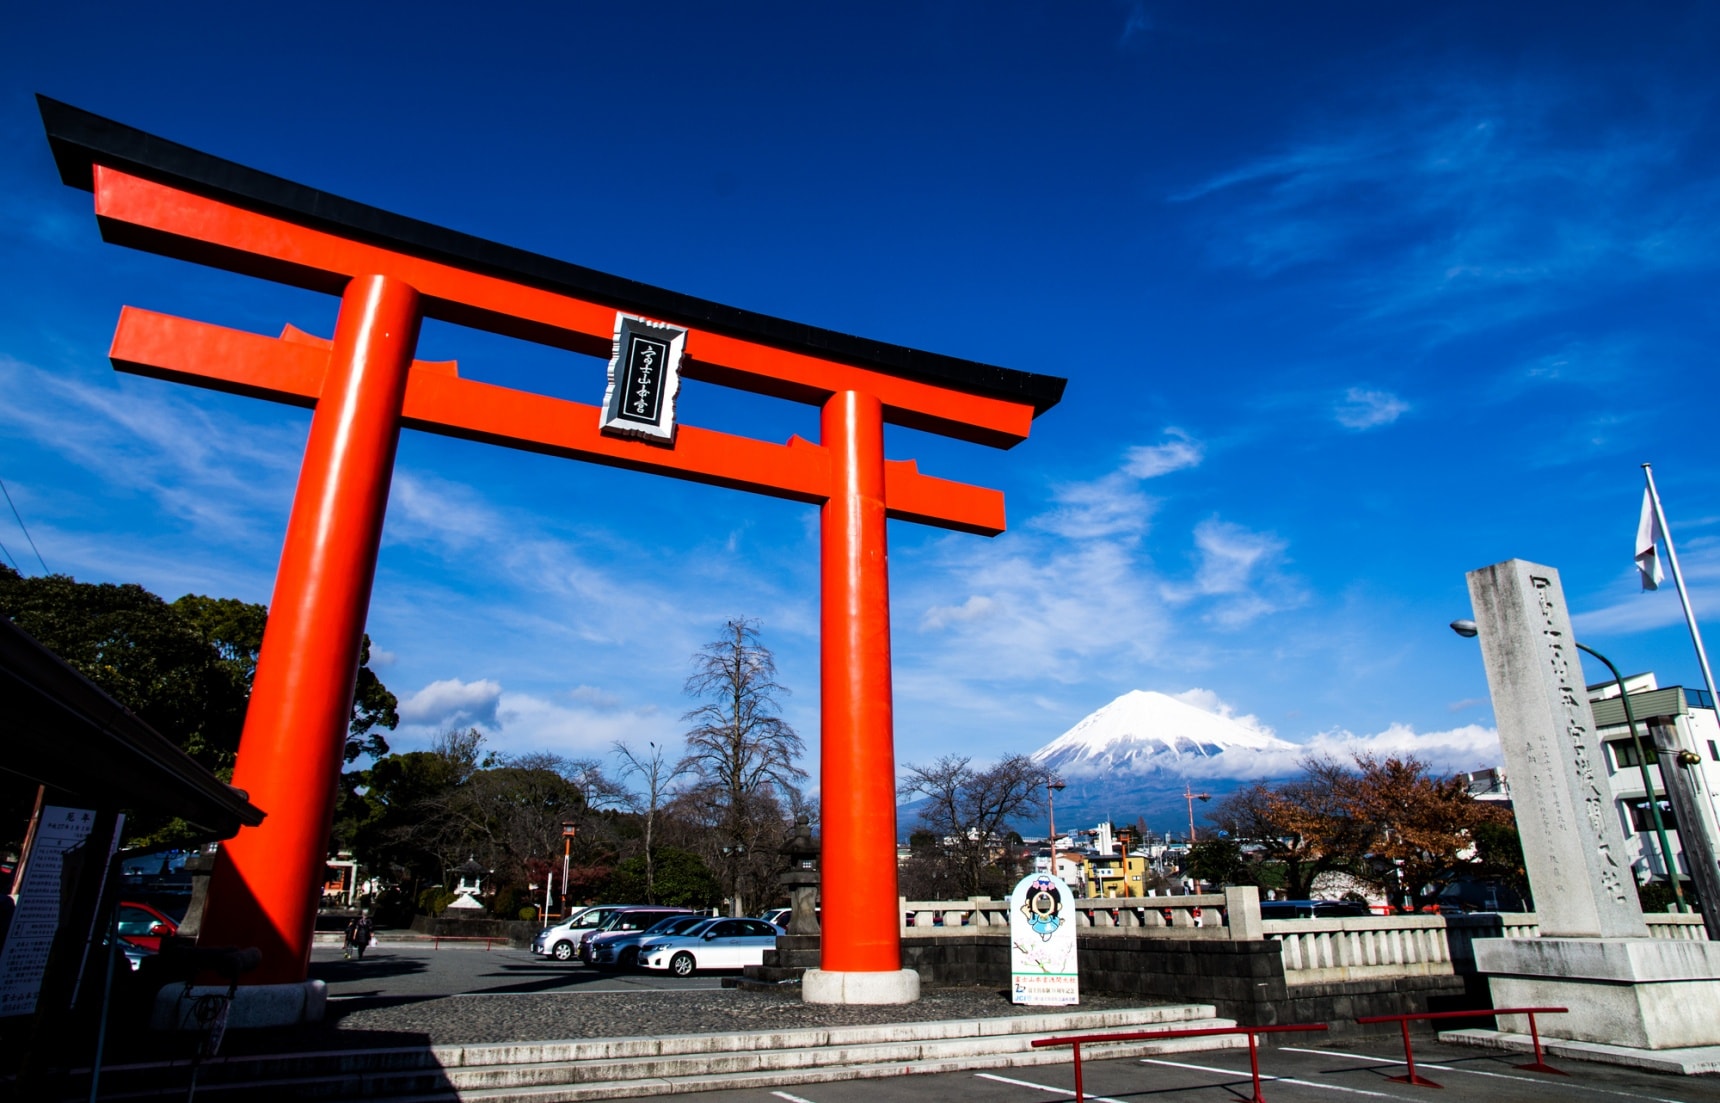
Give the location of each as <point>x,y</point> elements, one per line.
<point>391,271</point>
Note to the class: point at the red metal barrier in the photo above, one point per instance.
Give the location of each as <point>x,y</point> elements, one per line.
<point>1538,1065</point>
<point>1155,1035</point>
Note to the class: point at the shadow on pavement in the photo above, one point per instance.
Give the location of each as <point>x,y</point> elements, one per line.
<point>380,968</point>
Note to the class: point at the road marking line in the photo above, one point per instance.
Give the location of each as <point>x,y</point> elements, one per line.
<point>790,1098</point>
<point>1479,1072</point>
<point>1043,1087</point>
<point>1355,1056</point>
<point>1263,1076</point>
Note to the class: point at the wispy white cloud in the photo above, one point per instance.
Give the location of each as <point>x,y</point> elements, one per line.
<point>1112,506</point>
<point>1238,573</point>
<point>942,616</point>
<point>1466,203</point>
<point>1074,594</point>
<point>1137,21</point>
<point>1624,608</point>
<point>1362,408</point>
<point>221,475</point>
<point>1178,451</point>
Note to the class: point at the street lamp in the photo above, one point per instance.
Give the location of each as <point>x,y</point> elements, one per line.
<point>1469,630</point>
<point>1191,796</point>
<point>1053,786</point>
<point>568,830</point>
<point>733,854</point>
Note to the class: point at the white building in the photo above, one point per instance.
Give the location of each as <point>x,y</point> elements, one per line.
<point>1690,713</point>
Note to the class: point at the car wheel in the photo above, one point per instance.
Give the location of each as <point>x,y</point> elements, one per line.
<point>682,964</point>
<point>629,958</point>
<point>563,951</point>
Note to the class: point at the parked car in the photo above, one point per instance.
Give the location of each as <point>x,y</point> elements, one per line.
<point>132,954</point>
<point>1476,895</point>
<point>562,940</point>
<point>781,916</point>
<point>624,921</point>
<point>713,944</point>
<point>144,925</point>
<point>620,949</point>
<point>1313,909</point>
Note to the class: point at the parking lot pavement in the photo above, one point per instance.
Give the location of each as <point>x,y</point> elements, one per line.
<point>1343,1072</point>
<point>417,970</point>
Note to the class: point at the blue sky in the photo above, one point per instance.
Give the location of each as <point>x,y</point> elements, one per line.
<point>1352,298</point>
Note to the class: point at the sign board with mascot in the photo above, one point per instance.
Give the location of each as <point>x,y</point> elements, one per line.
<point>1042,942</point>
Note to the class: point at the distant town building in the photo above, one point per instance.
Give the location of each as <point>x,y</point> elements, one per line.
<point>1691,713</point>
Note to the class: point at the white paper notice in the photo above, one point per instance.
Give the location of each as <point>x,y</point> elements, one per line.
<point>36,916</point>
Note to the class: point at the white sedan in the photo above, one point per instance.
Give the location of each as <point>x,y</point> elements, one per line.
<point>713,944</point>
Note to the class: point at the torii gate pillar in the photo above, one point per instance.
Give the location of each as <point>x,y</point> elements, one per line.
<point>266,885</point>
<point>861,947</point>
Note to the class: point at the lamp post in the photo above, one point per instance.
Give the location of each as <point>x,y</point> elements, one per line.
<point>1468,630</point>
<point>1053,786</point>
<point>568,830</point>
<point>1191,796</point>
<point>733,855</point>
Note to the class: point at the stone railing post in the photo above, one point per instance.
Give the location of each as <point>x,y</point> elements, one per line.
<point>1242,913</point>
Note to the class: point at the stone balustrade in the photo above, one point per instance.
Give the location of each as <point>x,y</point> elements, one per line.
<point>1197,916</point>
<point>1315,951</point>
<point>1318,951</point>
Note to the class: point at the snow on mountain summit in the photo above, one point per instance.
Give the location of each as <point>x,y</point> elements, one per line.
<point>1148,732</point>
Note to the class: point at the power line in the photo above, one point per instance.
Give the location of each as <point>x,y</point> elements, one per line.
<point>26,529</point>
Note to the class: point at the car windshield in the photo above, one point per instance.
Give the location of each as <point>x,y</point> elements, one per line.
<point>675,924</point>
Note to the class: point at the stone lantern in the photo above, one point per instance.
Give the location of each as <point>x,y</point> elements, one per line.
<point>798,950</point>
<point>801,878</point>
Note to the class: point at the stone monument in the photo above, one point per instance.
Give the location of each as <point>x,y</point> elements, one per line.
<point>1594,955</point>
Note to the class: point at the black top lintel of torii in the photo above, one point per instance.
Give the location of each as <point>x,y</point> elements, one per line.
<point>80,139</point>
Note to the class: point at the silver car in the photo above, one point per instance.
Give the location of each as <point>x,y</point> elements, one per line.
<point>713,944</point>
<point>562,940</point>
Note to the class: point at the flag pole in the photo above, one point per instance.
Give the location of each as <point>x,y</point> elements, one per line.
<point>1678,581</point>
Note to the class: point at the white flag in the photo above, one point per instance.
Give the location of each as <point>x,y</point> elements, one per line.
<point>1647,536</point>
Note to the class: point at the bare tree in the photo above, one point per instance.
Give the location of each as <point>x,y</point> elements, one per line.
<point>969,810</point>
<point>656,774</point>
<point>740,750</point>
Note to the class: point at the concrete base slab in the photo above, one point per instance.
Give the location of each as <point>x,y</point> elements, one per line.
<point>253,1005</point>
<point>1688,1061</point>
<point>830,986</point>
<point>1640,993</point>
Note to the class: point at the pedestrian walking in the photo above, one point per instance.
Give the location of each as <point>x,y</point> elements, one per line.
<point>359,932</point>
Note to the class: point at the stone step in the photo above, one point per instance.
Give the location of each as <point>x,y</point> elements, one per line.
<point>616,1067</point>
<point>951,1052</point>
<point>825,1074</point>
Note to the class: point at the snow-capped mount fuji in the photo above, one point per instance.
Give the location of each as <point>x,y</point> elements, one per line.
<point>1133,757</point>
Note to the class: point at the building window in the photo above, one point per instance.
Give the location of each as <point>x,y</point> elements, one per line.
<point>1624,753</point>
<point>1714,750</point>
<point>1640,820</point>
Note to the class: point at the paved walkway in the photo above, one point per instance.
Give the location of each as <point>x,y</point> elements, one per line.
<point>408,994</point>
<point>1345,1072</point>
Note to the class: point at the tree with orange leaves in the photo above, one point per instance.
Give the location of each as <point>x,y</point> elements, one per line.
<point>1386,822</point>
